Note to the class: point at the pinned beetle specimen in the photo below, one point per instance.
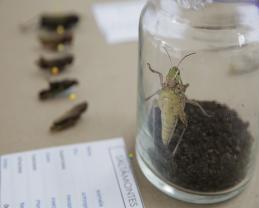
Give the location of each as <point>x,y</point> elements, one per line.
<point>70,118</point>
<point>56,42</point>
<point>172,100</point>
<point>59,22</point>
<point>56,65</point>
<point>56,88</point>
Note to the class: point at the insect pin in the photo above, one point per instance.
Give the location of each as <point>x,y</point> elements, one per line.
<point>58,23</point>
<point>70,118</point>
<point>56,88</point>
<point>56,42</point>
<point>56,65</point>
<point>172,100</point>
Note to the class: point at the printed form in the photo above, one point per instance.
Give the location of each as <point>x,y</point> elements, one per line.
<point>89,175</point>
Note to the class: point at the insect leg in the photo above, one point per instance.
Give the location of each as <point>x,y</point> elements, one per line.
<point>149,97</point>
<point>156,72</point>
<point>192,102</point>
<point>171,134</point>
<point>179,142</point>
<point>183,118</point>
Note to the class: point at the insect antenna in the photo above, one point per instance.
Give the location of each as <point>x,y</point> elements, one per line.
<point>168,56</point>
<point>190,54</point>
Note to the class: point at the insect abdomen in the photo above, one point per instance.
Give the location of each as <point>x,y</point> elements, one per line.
<point>170,105</point>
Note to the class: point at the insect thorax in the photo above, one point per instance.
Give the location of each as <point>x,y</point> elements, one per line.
<point>173,73</point>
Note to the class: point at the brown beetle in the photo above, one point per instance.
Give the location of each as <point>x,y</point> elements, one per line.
<point>56,65</point>
<point>56,42</point>
<point>59,22</point>
<point>70,118</point>
<point>56,88</point>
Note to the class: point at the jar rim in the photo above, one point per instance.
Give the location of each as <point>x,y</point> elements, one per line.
<point>199,4</point>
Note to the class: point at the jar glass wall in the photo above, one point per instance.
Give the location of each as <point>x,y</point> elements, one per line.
<point>197,97</point>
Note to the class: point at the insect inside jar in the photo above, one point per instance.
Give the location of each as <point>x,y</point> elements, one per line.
<point>70,118</point>
<point>56,42</point>
<point>172,100</point>
<point>56,88</point>
<point>58,23</point>
<point>56,65</point>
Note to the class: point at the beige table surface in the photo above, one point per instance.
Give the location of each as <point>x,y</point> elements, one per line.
<point>108,78</point>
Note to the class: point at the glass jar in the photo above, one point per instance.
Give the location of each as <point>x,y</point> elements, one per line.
<point>198,97</point>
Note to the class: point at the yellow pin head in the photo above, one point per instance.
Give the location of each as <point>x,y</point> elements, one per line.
<point>60,47</point>
<point>60,30</point>
<point>72,96</point>
<point>54,70</point>
<point>130,155</point>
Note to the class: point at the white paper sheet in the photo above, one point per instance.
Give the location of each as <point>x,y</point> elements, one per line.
<point>89,175</point>
<point>118,21</point>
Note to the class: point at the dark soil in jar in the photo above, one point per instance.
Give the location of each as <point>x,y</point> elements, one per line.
<point>214,152</point>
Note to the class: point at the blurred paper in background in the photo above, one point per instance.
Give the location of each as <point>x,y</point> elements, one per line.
<point>118,21</point>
